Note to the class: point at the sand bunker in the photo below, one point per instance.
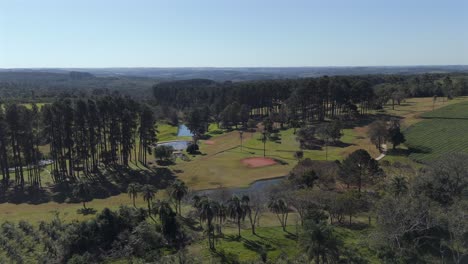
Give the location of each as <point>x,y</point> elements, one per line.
<point>209,142</point>
<point>258,162</point>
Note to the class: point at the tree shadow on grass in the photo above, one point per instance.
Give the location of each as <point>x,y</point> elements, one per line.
<point>191,223</point>
<point>399,152</point>
<point>30,195</point>
<point>257,246</point>
<point>365,120</point>
<point>419,150</point>
<point>252,245</point>
<point>165,162</point>
<point>158,177</point>
<point>225,257</point>
<point>354,226</point>
<point>108,181</point>
<point>340,144</point>
<point>290,235</point>
<point>86,211</point>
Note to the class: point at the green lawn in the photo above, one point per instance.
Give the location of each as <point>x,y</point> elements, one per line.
<point>230,248</point>
<point>166,132</point>
<point>443,131</point>
<point>276,242</point>
<point>220,164</point>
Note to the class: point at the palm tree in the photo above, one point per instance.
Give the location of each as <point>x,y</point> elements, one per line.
<point>241,134</point>
<point>148,193</point>
<point>235,211</point>
<point>221,215</point>
<point>208,211</point>
<point>399,185</point>
<point>132,190</point>
<point>165,212</point>
<point>245,201</point>
<point>264,139</point>
<point>320,243</point>
<point>177,191</point>
<point>197,201</point>
<point>281,209</point>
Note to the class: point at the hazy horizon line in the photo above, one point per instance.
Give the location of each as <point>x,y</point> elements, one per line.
<point>234,67</point>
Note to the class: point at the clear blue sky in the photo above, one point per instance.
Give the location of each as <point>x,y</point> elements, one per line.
<point>232,33</point>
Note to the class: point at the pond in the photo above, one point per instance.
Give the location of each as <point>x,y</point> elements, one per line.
<point>183,131</point>
<point>257,186</point>
<point>177,144</point>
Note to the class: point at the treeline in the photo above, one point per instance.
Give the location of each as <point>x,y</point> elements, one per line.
<point>46,86</point>
<point>82,135</point>
<point>265,96</point>
<point>306,99</point>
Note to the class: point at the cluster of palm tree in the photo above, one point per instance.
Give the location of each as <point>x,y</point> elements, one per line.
<point>214,214</point>
<point>147,191</point>
<point>280,207</point>
<point>161,208</point>
<point>177,191</point>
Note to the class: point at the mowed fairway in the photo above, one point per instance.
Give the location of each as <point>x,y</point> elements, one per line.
<point>221,162</point>
<point>443,131</point>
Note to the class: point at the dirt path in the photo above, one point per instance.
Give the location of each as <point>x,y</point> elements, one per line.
<point>384,152</point>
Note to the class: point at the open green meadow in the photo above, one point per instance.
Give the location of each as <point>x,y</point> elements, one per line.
<point>275,242</point>
<point>166,132</point>
<point>221,161</point>
<point>442,131</point>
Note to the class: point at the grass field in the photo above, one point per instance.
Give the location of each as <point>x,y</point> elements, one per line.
<point>443,131</point>
<point>221,161</point>
<point>166,132</point>
<point>275,241</point>
<point>412,108</point>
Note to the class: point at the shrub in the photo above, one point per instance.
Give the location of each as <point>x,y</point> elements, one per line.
<point>163,152</point>
<point>193,149</point>
<point>251,123</point>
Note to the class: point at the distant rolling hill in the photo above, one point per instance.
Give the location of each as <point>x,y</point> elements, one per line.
<point>244,73</point>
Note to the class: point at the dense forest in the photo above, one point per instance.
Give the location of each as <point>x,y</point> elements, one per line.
<point>81,135</point>
<point>47,86</point>
<point>302,99</point>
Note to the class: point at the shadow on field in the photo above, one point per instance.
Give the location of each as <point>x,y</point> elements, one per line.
<point>399,152</point>
<point>445,117</point>
<point>108,181</point>
<point>257,246</point>
<point>28,195</point>
<point>368,119</point>
<point>419,150</point>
